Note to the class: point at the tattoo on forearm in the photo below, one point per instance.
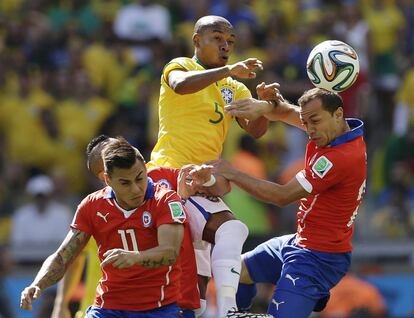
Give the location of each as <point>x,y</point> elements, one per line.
<point>55,265</point>
<point>151,263</point>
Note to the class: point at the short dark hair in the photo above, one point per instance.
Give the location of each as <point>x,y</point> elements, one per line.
<point>210,21</point>
<point>330,101</point>
<point>120,154</point>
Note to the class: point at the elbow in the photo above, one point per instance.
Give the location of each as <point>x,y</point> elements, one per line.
<point>279,201</point>
<point>259,133</point>
<point>180,88</point>
<point>259,128</point>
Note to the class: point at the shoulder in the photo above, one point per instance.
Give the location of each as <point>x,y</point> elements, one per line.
<point>166,177</point>
<point>95,197</point>
<point>184,63</point>
<point>164,195</point>
<point>169,204</point>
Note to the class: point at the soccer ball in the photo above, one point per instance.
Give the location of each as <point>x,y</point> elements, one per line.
<point>333,65</point>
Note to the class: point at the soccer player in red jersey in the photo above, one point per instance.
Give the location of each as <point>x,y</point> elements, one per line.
<point>136,224</point>
<point>307,264</point>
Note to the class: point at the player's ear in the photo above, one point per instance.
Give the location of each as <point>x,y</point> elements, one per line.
<point>106,179</point>
<point>196,40</point>
<point>101,176</point>
<point>339,113</point>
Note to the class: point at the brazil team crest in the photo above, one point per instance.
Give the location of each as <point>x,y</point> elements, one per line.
<point>177,211</point>
<point>227,94</point>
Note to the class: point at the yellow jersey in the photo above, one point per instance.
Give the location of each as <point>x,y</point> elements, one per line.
<point>193,127</point>
<point>92,277</point>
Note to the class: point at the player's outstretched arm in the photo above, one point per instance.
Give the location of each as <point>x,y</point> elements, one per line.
<point>263,190</point>
<point>67,286</point>
<point>169,237</point>
<point>54,267</point>
<point>189,82</point>
<point>270,104</point>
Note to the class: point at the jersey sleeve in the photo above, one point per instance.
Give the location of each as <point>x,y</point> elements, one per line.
<point>166,177</point>
<point>327,170</point>
<point>242,92</point>
<point>180,63</point>
<point>81,220</point>
<point>170,209</point>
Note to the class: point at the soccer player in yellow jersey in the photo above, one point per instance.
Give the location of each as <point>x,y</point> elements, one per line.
<point>193,128</point>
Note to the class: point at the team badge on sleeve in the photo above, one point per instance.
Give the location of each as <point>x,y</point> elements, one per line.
<point>322,166</point>
<point>165,184</point>
<point>177,211</point>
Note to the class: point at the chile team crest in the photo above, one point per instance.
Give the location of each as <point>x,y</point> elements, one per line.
<point>227,94</point>
<point>146,219</point>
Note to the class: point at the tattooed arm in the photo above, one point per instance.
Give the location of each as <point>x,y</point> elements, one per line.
<point>54,267</point>
<point>169,237</point>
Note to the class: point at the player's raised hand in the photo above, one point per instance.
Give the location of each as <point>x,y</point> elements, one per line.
<point>201,174</point>
<point>185,186</point>
<point>246,68</point>
<point>223,168</point>
<point>269,92</point>
<point>249,108</point>
<point>28,295</point>
<point>120,258</point>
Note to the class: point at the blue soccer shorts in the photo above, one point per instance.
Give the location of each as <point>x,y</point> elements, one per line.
<point>168,311</point>
<point>303,277</point>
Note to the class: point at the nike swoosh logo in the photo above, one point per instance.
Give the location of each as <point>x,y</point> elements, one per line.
<point>234,271</point>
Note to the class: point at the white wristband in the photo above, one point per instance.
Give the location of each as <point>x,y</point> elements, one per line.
<point>210,182</point>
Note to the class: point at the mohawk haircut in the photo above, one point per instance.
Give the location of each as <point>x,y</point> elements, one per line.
<point>94,142</point>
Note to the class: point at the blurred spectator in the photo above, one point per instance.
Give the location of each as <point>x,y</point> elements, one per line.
<point>404,109</point>
<point>140,23</point>
<point>77,14</point>
<point>386,23</point>
<point>250,211</point>
<point>400,150</point>
<point>236,11</point>
<point>353,30</point>
<point>39,226</point>
<point>395,218</point>
<point>354,297</point>
<point>6,265</point>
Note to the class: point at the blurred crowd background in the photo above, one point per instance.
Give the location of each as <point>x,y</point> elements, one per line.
<point>73,69</point>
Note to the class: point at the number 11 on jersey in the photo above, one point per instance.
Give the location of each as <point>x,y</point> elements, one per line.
<point>131,233</point>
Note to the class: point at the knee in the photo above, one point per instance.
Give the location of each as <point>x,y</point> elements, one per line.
<point>234,229</point>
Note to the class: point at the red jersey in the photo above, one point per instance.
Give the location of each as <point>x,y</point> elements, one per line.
<point>136,288</point>
<point>190,295</point>
<point>335,178</point>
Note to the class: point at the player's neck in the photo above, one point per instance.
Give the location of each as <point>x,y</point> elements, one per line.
<point>198,61</point>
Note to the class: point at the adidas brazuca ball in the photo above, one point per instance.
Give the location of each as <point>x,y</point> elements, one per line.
<point>333,65</point>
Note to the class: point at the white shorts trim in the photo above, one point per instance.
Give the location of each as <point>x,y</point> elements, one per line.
<point>203,259</point>
<point>199,209</point>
